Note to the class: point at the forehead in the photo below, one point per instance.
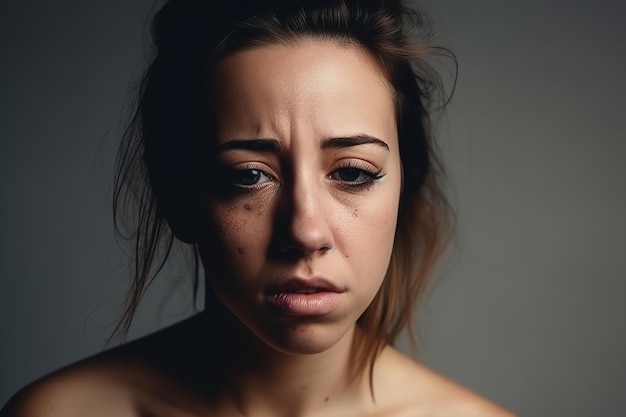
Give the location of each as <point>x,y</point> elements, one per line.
<point>319,87</point>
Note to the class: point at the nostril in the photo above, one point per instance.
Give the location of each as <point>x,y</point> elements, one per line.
<point>294,253</point>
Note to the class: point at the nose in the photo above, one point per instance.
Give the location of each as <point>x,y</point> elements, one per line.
<point>303,227</point>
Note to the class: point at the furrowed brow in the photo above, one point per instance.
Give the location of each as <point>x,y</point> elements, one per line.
<point>348,141</point>
<point>263,145</point>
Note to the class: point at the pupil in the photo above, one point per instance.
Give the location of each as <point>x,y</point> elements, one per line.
<point>349,174</point>
<point>250,177</point>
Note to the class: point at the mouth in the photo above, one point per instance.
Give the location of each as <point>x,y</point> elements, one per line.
<point>305,297</point>
<point>305,291</point>
<point>304,286</point>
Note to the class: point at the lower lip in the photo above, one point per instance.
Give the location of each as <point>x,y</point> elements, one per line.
<point>311,304</point>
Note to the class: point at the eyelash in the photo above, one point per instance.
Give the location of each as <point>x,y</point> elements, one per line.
<point>370,177</point>
<point>249,169</point>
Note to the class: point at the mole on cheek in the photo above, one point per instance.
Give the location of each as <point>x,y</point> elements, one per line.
<point>247,207</point>
<point>241,250</point>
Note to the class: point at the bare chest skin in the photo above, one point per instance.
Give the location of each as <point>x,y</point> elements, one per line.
<point>173,373</point>
<point>171,380</point>
<point>166,398</point>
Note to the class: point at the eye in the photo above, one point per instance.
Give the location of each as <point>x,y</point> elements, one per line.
<point>250,177</point>
<point>356,177</point>
<point>352,175</point>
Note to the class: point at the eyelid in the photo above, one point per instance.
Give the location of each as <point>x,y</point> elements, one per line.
<point>371,174</point>
<point>252,166</point>
<point>357,164</point>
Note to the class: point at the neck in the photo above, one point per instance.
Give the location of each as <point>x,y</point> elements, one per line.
<point>259,378</point>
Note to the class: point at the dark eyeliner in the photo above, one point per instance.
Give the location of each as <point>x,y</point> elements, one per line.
<point>365,184</point>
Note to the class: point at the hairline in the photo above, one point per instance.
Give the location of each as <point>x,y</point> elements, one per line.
<point>301,39</point>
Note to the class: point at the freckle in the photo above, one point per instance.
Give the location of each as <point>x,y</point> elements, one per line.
<point>247,206</point>
<point>326,399</point>
<point>241,251</point>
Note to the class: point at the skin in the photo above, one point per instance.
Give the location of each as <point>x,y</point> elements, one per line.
<point>305,204</point>
<point>302,217</point>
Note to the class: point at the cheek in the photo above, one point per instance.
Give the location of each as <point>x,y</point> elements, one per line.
<point>375,230</point>
<point>369,231</point>
<point>236,230</point>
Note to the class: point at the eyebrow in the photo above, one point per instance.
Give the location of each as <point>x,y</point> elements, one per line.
<point>264,145</point>
<point>273,145</point>
<point>348,141</point>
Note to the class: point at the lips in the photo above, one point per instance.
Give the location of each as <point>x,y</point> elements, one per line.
<point>305,297</point>
<point>305,286</point>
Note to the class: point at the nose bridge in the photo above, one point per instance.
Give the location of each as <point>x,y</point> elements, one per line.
<point>308,223</point>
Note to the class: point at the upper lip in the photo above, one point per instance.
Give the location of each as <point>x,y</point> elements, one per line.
<point>304,284</point>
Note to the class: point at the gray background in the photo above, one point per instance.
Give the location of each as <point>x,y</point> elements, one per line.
<point>527,311</point>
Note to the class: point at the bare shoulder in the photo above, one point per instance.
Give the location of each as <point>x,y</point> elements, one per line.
<point>415,390</point>
<point>86,389</point>
<point>123,382</point>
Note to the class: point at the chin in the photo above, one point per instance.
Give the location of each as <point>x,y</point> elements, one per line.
<point>289,334</point>
<point>306,338</point>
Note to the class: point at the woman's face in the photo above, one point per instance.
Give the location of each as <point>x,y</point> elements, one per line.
<point>302,199</point>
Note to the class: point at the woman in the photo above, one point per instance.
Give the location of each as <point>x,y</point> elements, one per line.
<point>288,143</point>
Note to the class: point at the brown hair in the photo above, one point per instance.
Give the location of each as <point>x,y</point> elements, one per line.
<point>157,161</point>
